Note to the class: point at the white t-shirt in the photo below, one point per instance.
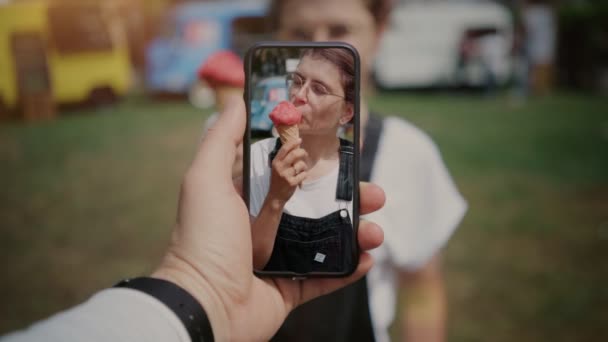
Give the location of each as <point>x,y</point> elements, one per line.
<point>313,199</point>
<point>422,210</point>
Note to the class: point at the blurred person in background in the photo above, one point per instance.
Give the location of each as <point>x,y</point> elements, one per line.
<point>423,205</point>
<point>519,90</point>
<point>541,35</point>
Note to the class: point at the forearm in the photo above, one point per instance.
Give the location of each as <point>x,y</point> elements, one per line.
<point>264,230</point>
<point>424,316</point>
<point>424,306</point>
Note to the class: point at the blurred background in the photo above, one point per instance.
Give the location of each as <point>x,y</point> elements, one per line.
<point>101,112</point>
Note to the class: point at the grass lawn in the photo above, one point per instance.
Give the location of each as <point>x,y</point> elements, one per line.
<point>90,198</point>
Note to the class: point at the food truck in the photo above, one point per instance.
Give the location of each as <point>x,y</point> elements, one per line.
<point>60,52</point>
<point>191,32</point>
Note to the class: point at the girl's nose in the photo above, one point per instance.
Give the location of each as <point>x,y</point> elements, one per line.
<point>300,96</point>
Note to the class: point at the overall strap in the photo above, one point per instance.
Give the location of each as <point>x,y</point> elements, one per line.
<point>373,130</point>
<point>275,150</point>
<point>344,189</point>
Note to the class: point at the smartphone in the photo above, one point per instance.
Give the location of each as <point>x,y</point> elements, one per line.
<point>301,158</point>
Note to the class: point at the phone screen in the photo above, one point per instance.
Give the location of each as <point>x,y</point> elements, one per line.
<point>301,158</point>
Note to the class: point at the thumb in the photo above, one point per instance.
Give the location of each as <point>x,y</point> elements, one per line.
<point>231,122</point>
<point>217,151</point>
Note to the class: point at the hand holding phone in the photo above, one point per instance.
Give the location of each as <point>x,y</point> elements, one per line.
<point>301,170</point>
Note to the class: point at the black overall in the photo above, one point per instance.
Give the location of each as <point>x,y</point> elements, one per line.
<point>325,244</point>
<point>343,315</point>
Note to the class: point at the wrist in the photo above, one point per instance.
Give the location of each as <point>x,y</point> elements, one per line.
<point>275,204</point>
<point>195,284</point>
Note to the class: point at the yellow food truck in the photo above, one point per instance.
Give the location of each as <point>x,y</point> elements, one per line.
<point>55,52</point>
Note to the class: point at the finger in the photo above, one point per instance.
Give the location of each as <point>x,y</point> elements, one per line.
<point>232,120</point>
<point>295,155</point>
<point>217,152</point>
<point>238,185</point>
<point>300,166</point>
<point>299,178</point>
<point>285,149</point>
<point>372,197</point>
<point>370,235</point>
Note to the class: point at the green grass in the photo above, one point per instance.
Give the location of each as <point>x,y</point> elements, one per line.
<point>90,198</point>
<point>86,200</point>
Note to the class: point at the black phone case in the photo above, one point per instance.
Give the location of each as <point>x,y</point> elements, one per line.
<point>355,250</point>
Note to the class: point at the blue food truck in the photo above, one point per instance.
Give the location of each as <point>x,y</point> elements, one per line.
<point>191,32</point>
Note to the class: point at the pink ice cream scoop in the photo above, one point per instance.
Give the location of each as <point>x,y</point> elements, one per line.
<point>285,114</point>
<point>286,118</point>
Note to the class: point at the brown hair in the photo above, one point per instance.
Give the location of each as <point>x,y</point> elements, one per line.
<point>344,60</point>
<point>380,10</point>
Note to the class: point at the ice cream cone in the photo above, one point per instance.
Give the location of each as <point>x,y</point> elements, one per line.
<point>285,117</point>
<point>288,133</point>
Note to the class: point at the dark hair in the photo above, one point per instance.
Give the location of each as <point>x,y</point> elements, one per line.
<point>344,60</point>
<point>380,10</point>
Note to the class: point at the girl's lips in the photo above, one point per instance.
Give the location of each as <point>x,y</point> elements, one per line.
<point>304,111</point>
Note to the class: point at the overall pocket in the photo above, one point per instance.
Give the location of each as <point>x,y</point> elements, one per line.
<point>322,255</point>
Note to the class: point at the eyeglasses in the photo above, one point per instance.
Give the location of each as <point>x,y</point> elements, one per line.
<point>295,82</point>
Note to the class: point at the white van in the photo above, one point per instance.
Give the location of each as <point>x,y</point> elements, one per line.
<point>446,43</point>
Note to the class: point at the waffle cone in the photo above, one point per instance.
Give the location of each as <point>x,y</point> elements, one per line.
<point>288,133</point>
